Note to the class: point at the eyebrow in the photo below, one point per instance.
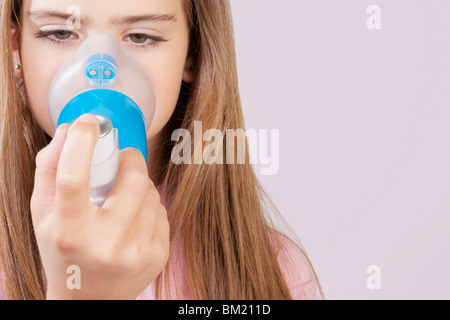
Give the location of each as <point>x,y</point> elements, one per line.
<point>119,20</point>
<point>148,17</point>
<point>43,14</point>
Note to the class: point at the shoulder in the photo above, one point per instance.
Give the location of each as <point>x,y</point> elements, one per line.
<point>295,266</point>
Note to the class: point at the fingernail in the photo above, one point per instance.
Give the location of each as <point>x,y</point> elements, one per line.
<point>58,131</point>
<point>87,118</point>
<point>60,128</point>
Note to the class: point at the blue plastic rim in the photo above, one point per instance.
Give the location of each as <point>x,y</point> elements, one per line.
<point>124,113</point>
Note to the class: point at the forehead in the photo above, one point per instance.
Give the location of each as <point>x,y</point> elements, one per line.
<point>101,11</point>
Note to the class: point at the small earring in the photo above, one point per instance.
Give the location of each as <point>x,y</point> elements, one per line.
<point>18,67</point>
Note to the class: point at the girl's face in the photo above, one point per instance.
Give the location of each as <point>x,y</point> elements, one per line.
<point>154,32</point>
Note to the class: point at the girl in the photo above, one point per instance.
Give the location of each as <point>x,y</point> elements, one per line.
<point>222,245</point>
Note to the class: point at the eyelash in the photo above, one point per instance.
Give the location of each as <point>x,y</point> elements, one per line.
<point>45,35</point>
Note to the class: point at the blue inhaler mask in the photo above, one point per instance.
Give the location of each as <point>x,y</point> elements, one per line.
<point>103,79</point>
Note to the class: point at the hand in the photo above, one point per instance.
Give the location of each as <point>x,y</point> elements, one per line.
<point>119,248</point>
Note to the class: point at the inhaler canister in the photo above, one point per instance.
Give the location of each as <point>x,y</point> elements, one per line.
<point>105,162</point>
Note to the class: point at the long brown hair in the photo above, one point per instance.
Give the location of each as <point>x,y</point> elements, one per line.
<point>217,210</point>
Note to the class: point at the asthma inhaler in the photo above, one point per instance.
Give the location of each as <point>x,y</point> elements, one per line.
<point>101,78</point>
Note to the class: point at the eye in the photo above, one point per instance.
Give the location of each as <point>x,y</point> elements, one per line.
<point>56,36</point>
<point>138,38</point>
<point>143,41</point>
<point>62,35</point>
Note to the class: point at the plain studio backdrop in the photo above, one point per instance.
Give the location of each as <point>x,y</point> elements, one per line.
<point>364,120</point>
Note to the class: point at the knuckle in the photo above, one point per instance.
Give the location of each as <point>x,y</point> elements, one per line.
<point>163,216</point>
<point>63,240</point>
<point>163,210</point>
<point>161,253</point>
<point>133,155</point>
<point>41,157</point>
<point>166,232</point>
<point>154,198</point>
<point>132,263</point>
<point>127,261</point>
<point>68,184</point>
<point>133,158</point>
<point>104,260</point>
<point>34,204</point>
<point>135,171</point>
<point>161,247</point>
<point>137,182</point>
<point>34,200</point>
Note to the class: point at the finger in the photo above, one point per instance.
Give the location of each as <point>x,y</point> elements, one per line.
<point>151,230</point>
<point>146,217</point>
<point>72,177</point>
<point>45,175</point>
<point>129,189</point>
<point>161,233</point>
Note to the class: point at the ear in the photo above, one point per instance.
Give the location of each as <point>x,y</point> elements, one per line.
<point>16,51</point>
<point>188,73</point>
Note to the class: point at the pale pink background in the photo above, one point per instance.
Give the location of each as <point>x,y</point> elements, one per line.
<point>364,119</point>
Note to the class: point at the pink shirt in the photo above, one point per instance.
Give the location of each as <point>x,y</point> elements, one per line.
<point>294,265</point>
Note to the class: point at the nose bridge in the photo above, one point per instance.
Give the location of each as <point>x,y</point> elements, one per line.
<point>101,42</point>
